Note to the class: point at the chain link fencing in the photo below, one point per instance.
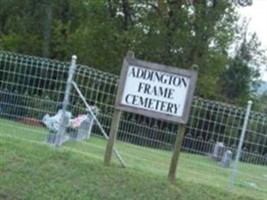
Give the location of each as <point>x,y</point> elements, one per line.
<point>32,87</point>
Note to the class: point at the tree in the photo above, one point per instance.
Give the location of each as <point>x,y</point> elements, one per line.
<point>182,33</point>
<point>21,26</point>
<point>173,32</point>
<point>241,77</point>
<point>236,81</point>
<point>244,2</point>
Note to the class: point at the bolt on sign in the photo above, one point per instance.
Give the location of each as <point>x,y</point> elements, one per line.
<point>156,90</point>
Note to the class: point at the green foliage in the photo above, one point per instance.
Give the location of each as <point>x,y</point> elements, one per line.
<point>241,76</point>
<point>176,33</point>
<point>236,81</point>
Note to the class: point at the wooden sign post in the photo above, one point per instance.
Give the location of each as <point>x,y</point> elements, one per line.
<point>114,127</point>
<point>176,152</point>
<point>154,90</point>
<point>178,145</point>
<point>112,136</point>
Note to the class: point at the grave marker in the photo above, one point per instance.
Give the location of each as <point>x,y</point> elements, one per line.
<point>227,159</point>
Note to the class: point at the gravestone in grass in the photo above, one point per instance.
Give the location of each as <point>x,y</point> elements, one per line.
<point>218,151</point>
<point>227,159</point>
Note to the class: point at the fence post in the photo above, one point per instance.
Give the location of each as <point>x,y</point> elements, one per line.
<point>239,149</point>
<point>72,69</point>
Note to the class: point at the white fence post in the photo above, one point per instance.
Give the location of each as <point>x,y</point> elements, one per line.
<point>239,149</point>
<point>71,72</point>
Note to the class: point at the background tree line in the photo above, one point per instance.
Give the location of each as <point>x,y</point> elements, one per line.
<point>172,32</point>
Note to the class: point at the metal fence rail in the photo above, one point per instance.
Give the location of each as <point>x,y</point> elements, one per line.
<point>31,87</point>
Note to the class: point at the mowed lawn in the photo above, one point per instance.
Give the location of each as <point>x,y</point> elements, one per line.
<point>34,170</point>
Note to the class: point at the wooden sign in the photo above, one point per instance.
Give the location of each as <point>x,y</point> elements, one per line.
<point>155,90</point>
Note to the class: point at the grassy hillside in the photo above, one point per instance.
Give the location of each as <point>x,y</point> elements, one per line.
<point>77,165</point>
<point>36,171</point>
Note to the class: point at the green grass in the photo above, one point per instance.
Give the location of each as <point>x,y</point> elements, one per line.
<point>34,171</point>
<point>76,171</point>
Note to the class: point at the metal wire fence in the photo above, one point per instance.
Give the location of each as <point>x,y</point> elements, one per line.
<point>31,87</point>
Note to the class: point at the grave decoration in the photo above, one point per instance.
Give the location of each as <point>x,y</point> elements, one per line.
<point>53,123</point>
<point>78,128</point>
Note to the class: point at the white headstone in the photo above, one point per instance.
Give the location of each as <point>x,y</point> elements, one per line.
<point>227,158</point>
<point>218,151</point>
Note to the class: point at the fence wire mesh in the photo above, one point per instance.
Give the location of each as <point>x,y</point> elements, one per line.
<point>31,87</point>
